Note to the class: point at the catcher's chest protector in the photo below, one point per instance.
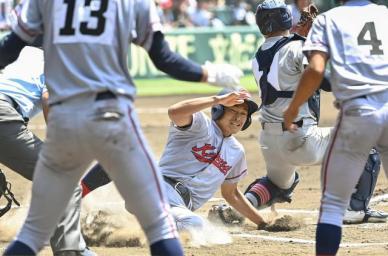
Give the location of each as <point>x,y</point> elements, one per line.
<point>265,58</point>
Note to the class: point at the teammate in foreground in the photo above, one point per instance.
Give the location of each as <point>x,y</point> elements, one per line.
<point>358,55</point>
<point>278,67</point>
<point>202,155</point>
<point>23,94</point>
<point>92,115</point>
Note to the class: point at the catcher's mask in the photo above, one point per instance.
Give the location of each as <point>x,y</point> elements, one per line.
<point>5,190</point>
<point>218,110</point>
<point>273,16</point>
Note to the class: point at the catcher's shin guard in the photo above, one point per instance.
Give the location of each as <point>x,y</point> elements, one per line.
<point>263,193</point>
<point>367,183</point>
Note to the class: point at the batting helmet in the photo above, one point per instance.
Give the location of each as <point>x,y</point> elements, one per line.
<point>273,16</point>
<point>218,110</point>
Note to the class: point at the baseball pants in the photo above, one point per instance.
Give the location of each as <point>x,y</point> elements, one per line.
<point>80,130</point>
<point>185,219</point>
<point>19,149</point>
<point>362,124</point>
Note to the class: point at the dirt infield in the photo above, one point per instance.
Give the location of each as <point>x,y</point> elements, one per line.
<point>117,228</point>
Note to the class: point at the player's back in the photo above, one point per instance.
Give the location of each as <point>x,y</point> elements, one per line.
<point>358,48</point>
<point>86,42</point>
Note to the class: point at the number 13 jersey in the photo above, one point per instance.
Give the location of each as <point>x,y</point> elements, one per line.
<point>356,41</point>
<point>97,32</point>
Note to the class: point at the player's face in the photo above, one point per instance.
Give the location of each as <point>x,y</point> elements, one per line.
<point>233,119</point>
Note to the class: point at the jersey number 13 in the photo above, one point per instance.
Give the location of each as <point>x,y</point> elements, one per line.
<point>83,21</point>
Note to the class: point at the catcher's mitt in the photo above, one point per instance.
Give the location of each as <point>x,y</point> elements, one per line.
<point>225,214</point>
<point>5,190</point>
<point>307,17</point>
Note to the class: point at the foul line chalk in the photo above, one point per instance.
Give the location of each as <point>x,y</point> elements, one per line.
<point>303,241</point>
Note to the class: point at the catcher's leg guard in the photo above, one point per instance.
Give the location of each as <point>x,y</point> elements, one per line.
<point>263,193</point>
<point>366,184</point>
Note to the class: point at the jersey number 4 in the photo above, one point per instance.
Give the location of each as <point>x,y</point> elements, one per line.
<point>373,41</point>
<point>69,30</point>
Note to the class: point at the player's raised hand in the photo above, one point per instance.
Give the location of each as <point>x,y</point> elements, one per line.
<point>289,116</point>
<point>223,75</point>
<point>233,98</point>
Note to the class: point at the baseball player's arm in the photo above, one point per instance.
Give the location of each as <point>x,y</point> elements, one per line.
<point>238,201</point>
<point>173,64</point>
<point>181,113</point>
<point>45,105</point>
<point>308,84</point>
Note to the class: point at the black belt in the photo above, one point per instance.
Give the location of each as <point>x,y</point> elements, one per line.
<point>105,95</point>
<point>182,190</point>
<point>299,124</point>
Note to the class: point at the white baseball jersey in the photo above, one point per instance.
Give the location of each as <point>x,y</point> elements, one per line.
<point>23,81</point>
<point>359,60</point>
<point>202,158</point>
<point>284,75</point>
<point>71,28</point>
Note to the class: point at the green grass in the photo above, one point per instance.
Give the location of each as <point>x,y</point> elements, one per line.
<point>168,86</point>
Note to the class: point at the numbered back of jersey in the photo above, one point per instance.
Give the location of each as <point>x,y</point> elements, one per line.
<point>84,21</point>
<point>364,35</point>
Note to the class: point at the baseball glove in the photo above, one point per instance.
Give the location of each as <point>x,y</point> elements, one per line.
<point>5,190</point>
<point>225,214</point>
<point>307,18</point>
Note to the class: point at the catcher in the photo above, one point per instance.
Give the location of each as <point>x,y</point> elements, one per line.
<point>201,156</point>
<point>277,67</point>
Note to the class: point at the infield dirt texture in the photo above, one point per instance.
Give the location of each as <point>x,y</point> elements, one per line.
<point>121,229</point>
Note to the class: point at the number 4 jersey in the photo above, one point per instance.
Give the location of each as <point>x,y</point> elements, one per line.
<point>97,32</point>
<point>355,36</point>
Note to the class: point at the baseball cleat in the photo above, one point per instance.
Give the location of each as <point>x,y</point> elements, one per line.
<point>371,216</point>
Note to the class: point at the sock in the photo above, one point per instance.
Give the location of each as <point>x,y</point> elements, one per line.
<point>328,238</point>
<point>95,178</point>
<point>167,247</point>
<point>18,248</point>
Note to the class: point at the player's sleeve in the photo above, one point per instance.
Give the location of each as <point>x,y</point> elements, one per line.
<point>317,38</point>
<point>147,22</point>
<point>28,22</point>
<point>239,171</point>
<point>199,126</point>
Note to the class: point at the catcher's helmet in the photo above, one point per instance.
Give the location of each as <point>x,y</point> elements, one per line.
<point>218,110</point>
<point>273,16</point>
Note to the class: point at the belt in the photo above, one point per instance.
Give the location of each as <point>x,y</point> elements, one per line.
<point>105,95</point>
<point>182,190</point>
<point>298,123</point>
<point>8,99</point>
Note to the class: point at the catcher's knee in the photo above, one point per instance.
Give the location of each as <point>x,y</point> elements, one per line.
<point>263,193</point>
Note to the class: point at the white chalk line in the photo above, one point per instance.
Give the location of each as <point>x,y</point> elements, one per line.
<point>303,241</point>
<point>374,200</point>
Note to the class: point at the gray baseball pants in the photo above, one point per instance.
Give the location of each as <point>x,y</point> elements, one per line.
<point>19,150</point>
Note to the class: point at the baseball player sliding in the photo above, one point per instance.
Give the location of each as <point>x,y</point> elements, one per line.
<point>278,67</point>
<point>358,55</point>
<point>23,94</point>
<point>202,155</point>
<point>92,114</point>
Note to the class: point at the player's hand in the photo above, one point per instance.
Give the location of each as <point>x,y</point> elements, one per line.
<point>223,75</point>
<point>289,116</point>
<point>233,98</point>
